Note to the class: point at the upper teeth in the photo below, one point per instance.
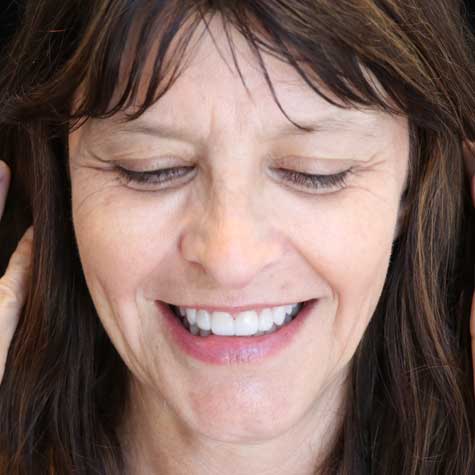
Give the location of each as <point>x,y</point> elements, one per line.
<point>245,323</point>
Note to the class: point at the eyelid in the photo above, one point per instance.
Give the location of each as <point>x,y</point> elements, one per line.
<point>315,165</point>
<point>151,163</point>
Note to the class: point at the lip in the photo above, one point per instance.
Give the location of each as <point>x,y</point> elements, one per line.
<point>225,350</point>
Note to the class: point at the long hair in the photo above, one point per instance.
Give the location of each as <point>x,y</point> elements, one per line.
<point>410,407</point>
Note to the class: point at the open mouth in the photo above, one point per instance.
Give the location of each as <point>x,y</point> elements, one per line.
<point>250,323</point>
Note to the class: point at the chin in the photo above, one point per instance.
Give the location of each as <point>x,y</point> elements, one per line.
<point>249,423</point>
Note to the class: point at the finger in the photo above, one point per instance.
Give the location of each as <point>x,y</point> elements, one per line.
<point>13,287</point>
<point>4,180</point>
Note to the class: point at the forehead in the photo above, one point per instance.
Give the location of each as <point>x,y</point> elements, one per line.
<point>221,89</point>
<point>230,83</point>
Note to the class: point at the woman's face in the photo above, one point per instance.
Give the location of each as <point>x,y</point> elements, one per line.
<point>232,231</point>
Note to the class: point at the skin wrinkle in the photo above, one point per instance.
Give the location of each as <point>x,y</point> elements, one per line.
<point>234,233</point>
<point>336,121</point>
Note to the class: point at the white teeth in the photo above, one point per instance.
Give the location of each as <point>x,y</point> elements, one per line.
<point>203,320</point>
<point>266,319</point>
<point>190,314</point>
<point>222,324</point>
<point>245,323</point>
<point>279,314</point>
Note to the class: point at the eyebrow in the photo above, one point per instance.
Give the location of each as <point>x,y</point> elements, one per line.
<point>330,123</point>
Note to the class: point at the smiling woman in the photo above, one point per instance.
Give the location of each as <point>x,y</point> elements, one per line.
<point>249,227</point>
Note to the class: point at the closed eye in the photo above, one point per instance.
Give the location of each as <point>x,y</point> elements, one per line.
<point>154,177</point>
<point>166,176</point>
<point>317,182</point>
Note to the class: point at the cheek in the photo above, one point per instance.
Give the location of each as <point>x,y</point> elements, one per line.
<point>348,242</point>
<point>125,245</point>
<point>121,244</point>
<point>121,240</point>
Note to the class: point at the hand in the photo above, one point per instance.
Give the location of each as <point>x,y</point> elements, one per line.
<point>14,283</point>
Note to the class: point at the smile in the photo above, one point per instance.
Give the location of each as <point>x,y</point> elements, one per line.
<point>248,323</point>
<point>234,349</point>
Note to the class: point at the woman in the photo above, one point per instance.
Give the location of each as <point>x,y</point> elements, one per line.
<point>250,227</point>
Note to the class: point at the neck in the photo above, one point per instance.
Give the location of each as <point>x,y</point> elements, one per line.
<point>158,441</point>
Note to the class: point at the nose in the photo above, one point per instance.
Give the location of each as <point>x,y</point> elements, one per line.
<point>231,243</point>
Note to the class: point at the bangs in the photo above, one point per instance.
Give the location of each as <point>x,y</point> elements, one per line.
<point>159,34</point>
<point>94,58</point>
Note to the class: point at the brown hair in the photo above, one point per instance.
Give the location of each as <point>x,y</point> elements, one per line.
<point>410,407</point>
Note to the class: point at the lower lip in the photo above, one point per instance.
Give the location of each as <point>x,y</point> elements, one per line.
<point>225,350</point>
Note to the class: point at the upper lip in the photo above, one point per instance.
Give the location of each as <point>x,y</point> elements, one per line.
<point>242,308</point>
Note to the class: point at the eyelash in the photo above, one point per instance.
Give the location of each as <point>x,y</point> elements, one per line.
<point>306,180</point>
<point>154,177</point>
<point>317,182</point>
